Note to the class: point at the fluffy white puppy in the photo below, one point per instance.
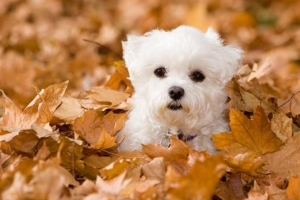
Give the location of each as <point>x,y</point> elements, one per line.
<point>179,78</point>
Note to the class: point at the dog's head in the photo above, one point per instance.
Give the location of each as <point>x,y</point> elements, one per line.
<point>180,73</point>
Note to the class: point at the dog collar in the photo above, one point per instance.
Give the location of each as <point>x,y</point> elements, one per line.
<point>185,138</point>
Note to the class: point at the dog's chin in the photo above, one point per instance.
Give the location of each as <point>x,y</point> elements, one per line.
<point>175,105</point>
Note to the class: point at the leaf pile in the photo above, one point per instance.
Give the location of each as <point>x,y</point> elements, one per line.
<point>60,142</point>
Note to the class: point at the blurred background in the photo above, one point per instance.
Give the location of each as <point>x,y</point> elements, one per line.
<point>42,41</point>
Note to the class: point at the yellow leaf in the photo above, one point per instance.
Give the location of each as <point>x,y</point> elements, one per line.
<point>293,189</point>
<point>199,183</point>
<point>247,163</point>
<point>121,75</point>
<point>176,155</point>
<point>105,141</point>
<point>248,135</point>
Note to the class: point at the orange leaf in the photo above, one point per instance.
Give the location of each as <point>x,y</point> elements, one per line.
<point>105,141</point>
<point>199,183</point>
<point>293,189</point>
<point>248,135</point>
<point>177,150</point>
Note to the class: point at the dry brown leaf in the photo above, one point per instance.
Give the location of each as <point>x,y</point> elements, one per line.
<point>118,167</point>
<point>25,142</point>
<point>274,193</point>
<point>256,193</point>
<point>38,111</point>
<point>43,152</point>
<point>98,128</point>
<point>121,75</point>
<point>285,163</point>
<point>69,110</point>
<point>155,169</point>
<point>105,141</point>
<point>118,184</point>
<point>107,96</point>
<point>248,135</point>
<point>89,126</point>
<point>176,155</point>
<point>177,151</point>
<point>282,126</point>
<point>198,183</point>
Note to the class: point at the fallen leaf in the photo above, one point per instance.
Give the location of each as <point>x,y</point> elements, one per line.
<point>285,163</point>
<point>155,169</point>
<point>248,135</point>
<point>118,184</point>
<point>118,167</point>
<point>25,142</point>
<point>105,141</point>
<point>121,75</point>
<point>107,96</point>
<point>43,152</point>
<point>69,110</point>
<point>199,183</point>
<point>176,155</point>
<point>282,126</point>
<point>247,163</point>
<point>274,192</point>
<point>89,126</point>
<point>257,193</point>
<point>98,128</point>
<point>292,190</point>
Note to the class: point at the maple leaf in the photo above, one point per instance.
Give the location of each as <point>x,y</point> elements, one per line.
<point>285,163</point>
<point>119,183</point>
<point>198,183</point>
<point>121,75</point>
<point>176,155</point>
<point>155,169</point>
<point>38,111</point>
<point>178,150</point>
<point>105,141</point>
<point>92,130</point>
<point>248,135</point>
<point>118,167</point>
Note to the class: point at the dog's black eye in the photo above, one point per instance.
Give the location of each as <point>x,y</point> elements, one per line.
<point>197,76</point>
<point>160,72</point>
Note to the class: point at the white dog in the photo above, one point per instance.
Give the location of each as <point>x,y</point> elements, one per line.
<point>179,78</point>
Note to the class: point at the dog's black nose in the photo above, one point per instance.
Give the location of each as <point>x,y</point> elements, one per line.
<point>176,92</point>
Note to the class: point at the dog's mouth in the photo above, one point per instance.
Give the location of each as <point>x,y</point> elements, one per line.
<point>175,105</point>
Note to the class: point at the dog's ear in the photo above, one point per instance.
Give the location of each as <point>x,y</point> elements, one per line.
<point>213,36</point>
<point>232,59</point>
<point>130,49</point>
<point>231,56</point>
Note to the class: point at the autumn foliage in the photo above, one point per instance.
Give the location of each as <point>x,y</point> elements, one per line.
<point>63,99</point>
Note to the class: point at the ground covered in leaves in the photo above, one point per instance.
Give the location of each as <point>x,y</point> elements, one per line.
<point>63,99</point>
